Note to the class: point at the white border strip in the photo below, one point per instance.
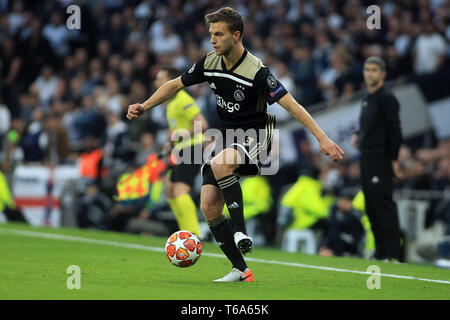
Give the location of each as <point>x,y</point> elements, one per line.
<point>215,255</point>
<point>229,76</point>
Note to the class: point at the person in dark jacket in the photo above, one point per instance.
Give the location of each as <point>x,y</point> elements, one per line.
<point>378,141</point>
<point>345,230</point>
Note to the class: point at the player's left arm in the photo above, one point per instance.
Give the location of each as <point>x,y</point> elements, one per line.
<point>327,146</point>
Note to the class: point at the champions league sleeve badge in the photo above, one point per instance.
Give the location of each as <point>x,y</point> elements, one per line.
<point>271,82</point>
<point>192,68</point>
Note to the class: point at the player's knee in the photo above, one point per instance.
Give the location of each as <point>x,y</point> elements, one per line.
<point>222,166</point>
<point>206,207</point>
<point>210,209</point>
<point>219,169</point>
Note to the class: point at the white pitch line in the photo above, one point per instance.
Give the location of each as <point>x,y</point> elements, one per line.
<point>148,248</point>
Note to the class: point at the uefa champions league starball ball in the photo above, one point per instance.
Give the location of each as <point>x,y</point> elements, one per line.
<point>183,249</point>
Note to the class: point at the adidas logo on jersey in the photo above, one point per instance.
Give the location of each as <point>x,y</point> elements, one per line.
<point>212,85</point>
<point>234,205</point>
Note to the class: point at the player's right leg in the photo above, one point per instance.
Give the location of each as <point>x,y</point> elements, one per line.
<point>212,203</point>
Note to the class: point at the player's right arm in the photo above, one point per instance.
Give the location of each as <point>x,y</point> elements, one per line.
<point>164,93</point>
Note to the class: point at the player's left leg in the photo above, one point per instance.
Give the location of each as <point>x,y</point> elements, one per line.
<point>212,202</point>
<point>223,166</point>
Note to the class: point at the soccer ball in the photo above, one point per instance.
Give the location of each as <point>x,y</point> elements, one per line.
<point>183,249</point>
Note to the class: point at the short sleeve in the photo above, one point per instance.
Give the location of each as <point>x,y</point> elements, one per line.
<point>195,74</point>
<point>268,86</point>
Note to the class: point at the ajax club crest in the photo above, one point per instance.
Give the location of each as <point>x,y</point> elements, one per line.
<point>239,93</point>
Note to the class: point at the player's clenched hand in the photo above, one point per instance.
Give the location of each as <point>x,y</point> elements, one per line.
<point>330,148</point>
<point>134,111</point>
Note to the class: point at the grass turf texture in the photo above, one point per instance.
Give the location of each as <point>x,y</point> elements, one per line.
<point>35,268</point>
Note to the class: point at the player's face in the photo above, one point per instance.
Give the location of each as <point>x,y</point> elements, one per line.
<point>373,74</point>
<point>222,39</point>
<point>161,78</point>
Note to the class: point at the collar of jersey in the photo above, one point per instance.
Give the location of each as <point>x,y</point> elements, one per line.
<point>224,68</point>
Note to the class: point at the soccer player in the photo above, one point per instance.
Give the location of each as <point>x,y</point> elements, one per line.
<point>182,112</point>
<point>243,86</point>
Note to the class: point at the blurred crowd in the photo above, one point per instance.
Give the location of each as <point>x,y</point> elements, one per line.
<point>65,92</point>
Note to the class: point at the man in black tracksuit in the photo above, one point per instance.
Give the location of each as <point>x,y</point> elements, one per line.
<point>378,141</point>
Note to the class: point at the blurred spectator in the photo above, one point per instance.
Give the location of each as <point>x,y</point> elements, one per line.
<point>35,50</point>
<point>5,120</point>
<point>303,208</point>
<point>95,75</point>
<point>140,201</point>
<point>68,117</point>
<point>89,121</point>
<point>93,208</point>
<point>103,52</point>
<point>117,147</point>
<point>142,62</point>
<point>437,163</point>
<point>28,102</point>
<point>57,34</point>
<point>308,161</point>
<point>46,86</point>
<point>304,72</point>
<point>412,170</point>
<point>322,49</point>
<point>115,33</point>
<point>441,175</point>
<point>429,50</point>
<point>11,74</point>
<point>152,217</point>
<point>146,147</point>
<point>16,19</point>
<point>328,77</point>
<point>352,176</point>
<point>345,231</point>
<point>91,161</point>
<point>58,143</point>
<point>166,43</point>
<point>35,141</point>
<point>126,76</point>
<point>115,100</point>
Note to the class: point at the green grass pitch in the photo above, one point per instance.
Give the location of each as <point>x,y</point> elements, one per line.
<point>34,262</point>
